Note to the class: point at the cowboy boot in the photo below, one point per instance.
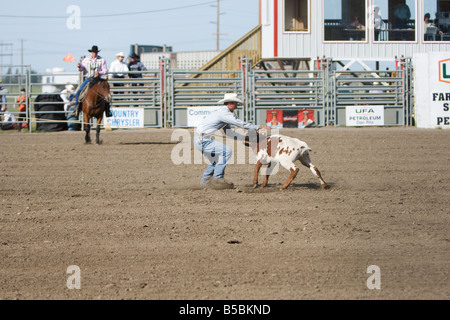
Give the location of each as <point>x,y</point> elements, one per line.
<point>108,112</point>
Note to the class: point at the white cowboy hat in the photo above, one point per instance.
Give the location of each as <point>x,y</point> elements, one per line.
<point>120,54</point>
<point>69,87</point>
<point>230,97</point>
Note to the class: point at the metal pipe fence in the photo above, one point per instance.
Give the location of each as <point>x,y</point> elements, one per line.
<point>164,95</point>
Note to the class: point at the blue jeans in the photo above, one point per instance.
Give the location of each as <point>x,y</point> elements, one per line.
<point>85,82</point>
<point>218,155</point>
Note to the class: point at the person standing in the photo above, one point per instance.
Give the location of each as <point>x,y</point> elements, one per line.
<point>67,96</point>
<point>402,15</point>
<point>216,152</point>
<point>23,102</point>
<point>3,101</point>
<point>377,22</point>
<point>93,66</point>
<point>135,66</point>
<point>117,69</point>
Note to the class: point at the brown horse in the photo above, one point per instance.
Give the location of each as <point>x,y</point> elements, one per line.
<point>94,104</point>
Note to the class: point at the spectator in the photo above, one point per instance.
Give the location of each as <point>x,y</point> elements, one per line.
<point>23,102</point>
<point>135,65</point>
<point>356,23</point>
<point>3,105</point>
<point>67,96</point>
<point>357,29</point>
<point>377,22</point>
<point>117,68</point>
<point>402,15</point>
<point>428,24</point>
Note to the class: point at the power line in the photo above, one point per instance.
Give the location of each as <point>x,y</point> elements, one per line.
<point>108,15</point>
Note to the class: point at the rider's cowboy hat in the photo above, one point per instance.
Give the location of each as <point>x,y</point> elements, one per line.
<point>230,97</point>
<point>135,56</point>
<point>94,49</point>
<point>120,54</point>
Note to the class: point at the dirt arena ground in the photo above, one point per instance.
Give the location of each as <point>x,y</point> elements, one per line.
<point>140,227</point>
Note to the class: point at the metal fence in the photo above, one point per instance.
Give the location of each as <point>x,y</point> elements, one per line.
<point>165,94</point>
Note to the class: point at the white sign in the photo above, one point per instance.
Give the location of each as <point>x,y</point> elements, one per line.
<point>126,118</point>
<point>364,115</point>
<point>432,89</point>
<point>196,114</point>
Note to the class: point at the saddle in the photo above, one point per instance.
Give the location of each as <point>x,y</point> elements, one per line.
<point>85,90</point>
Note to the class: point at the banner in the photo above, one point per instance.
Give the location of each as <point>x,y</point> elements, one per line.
<point>196,114</point>
<point>124,118</point>
<point>432,90</point>
<point>289,118</point>
<point>364,116</point>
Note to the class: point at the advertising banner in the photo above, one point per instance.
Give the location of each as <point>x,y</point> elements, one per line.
<point>124,118</point>
<point>364,116</point>
<point>196,114</point>
<point>289,118</point>
<point>432,89</point>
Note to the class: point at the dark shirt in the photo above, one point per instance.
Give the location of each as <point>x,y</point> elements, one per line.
<point>136,66</point>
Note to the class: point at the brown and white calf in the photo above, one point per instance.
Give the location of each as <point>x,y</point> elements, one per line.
<point>284,150</point>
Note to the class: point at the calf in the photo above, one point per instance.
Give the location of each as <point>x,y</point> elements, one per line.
<point>284,150</point>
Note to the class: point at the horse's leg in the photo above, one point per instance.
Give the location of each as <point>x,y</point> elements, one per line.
<point>87,128</point>
<point>97,136</point>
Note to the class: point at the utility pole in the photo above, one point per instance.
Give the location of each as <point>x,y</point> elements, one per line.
<point>218,25</point>
<point>5,45</point>
<point>21,63</point>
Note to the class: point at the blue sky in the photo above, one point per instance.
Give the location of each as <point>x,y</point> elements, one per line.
<point>49,31</point>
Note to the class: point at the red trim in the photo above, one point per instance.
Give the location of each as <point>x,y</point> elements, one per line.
<point>275,28</point>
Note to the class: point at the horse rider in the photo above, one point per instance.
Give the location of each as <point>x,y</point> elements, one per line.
<point>93,66</point>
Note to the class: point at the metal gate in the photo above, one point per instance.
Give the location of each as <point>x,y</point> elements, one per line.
<point>391,90</point>
<point>198,88</point>
<point>288,90</point>
<point>166,94</point>
<point>11,85</point>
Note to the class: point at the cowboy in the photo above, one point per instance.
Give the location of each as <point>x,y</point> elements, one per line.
<point>117,69</point>
<point>134,66</point>
<point>216,152</point>
<point>93,66</point>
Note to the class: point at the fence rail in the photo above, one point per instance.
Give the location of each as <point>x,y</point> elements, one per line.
<point>165,94</point>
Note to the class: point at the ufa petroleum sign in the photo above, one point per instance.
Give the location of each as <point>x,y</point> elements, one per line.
<point>364,115</point>
<point>432,89</point>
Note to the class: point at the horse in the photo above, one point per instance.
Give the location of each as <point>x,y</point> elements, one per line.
<point>94,105</point>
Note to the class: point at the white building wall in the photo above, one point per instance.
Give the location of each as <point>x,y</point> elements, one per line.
<point>189,60</point>
<point>311,45</point>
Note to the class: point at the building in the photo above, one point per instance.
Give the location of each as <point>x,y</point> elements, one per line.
<point>306,29</point>
<point>55,80</point>
<point>188,60</point>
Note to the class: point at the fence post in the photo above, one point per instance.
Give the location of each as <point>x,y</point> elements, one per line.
<point>166,107</point>
<point>245,69</point>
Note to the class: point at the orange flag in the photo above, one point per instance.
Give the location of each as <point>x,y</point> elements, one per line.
<point>69,58</point>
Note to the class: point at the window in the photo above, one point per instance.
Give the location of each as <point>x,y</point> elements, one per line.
<point>436,20</point>
<point>296,15</point>
<point>394,20</point>
<point>345,20</point>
